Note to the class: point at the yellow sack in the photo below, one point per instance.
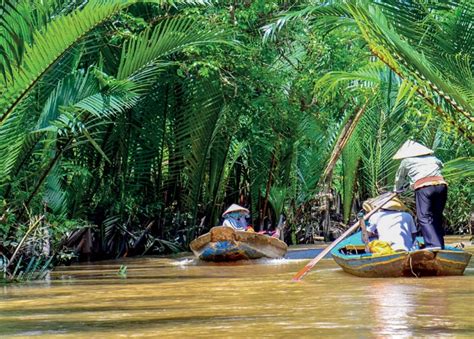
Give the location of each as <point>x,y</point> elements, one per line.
<point>250,229</point>
<point>379,247</point>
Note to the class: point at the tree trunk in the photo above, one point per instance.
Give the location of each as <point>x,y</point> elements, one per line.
<point>267,192</point>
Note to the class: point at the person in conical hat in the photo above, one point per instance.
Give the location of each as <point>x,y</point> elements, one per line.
<point>234,208</point>
<point>422,170</point>
<point>395,204</point>
<point>392,224</point>
<point>412,149</point>
<point>235,217</point>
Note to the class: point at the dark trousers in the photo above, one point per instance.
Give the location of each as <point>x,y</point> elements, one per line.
<point>430,202</point>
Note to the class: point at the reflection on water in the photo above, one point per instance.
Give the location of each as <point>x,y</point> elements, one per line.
<point>393,305</point>
<point>184,297</point>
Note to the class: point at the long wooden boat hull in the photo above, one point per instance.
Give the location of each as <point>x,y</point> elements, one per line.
<point>224,243</point>
<point>350,255</point>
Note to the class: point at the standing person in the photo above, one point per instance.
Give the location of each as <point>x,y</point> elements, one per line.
<point>235,217</point>
<point>423,171</point>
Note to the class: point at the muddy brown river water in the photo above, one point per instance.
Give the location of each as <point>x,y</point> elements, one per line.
<point>176,298</point>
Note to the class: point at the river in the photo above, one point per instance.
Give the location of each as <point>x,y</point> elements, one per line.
<point>164,297</point>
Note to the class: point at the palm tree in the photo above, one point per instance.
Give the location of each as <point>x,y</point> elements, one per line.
<point>401,35</point>
<point>67,123</point>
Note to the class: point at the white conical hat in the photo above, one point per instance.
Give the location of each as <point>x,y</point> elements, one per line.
<point>412,149</point>
<point>235,208</point>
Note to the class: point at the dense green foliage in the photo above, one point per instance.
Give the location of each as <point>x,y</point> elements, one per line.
<point>130,125</point>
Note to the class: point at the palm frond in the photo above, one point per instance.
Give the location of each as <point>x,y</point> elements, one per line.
<point>277,199</point>
<point>331,15</point>
<point>459,168</point>
<point>400,55</point>
<point>170,36</point>
<point>52,42</point>
<point>13,36</point>
<point>49,46</point>
<point>350,162</point>
<point>202,118</point>
<point>55,195</point>
<point>366,77</point>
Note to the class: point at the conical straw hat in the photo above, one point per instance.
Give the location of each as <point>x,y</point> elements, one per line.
<point>412,149</point>
<point>235,208</point>
<point>394,204</point>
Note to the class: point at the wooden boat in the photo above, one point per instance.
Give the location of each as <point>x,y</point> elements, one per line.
<point>350,255</point>
<point>223,243</point>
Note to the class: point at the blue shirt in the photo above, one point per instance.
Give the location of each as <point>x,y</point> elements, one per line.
<point>239,224</point>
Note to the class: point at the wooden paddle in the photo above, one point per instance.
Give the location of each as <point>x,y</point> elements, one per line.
<point>298,276</point>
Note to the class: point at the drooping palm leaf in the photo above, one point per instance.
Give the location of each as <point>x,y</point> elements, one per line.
<point>350,163</point>
<point>198,131</point>
<point>51,43</point>
<point>459,168</point>
<point>430,45</point>
<point>170,36</point>
<point>394,46</point>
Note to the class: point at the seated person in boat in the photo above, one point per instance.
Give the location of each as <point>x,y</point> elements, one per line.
<point>393,224</point>
<point>235,216</point>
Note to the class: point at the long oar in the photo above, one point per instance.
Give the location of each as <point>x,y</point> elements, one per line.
<point>298,276</point>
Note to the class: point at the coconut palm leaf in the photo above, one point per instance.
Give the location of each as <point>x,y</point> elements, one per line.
<point>55,194</point>
<point>459,168</point>
<point>168,37</point>
<point>223,157</point>
<point>334,14</point>
<point>350,160</point>
<point>313,148</point>
<point>401,34</point>
<point>277,199</point>
<point>14,30</point>
<point>143,75</point>
<point>198,131</point>
<point>51,44</point>
<point>394,46</point>
<point>368,76</point>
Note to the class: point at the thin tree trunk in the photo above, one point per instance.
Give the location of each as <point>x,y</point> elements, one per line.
<point>326,178</point>
<point>163,135</point>
<point>342,141</point>
<point>44,176</point>
<point>327,211</point>
<point>267,191</point>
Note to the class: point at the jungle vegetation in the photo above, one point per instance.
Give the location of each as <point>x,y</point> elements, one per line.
<point>128,126</point>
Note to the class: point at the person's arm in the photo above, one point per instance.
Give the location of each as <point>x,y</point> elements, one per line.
<point>401,176</point>
<point>439,163</point>
<point>371,228</point>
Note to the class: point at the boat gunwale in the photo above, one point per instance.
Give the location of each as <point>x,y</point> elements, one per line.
<point>397,254</point>
<point>260,243</point>
<point>450,261</point>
